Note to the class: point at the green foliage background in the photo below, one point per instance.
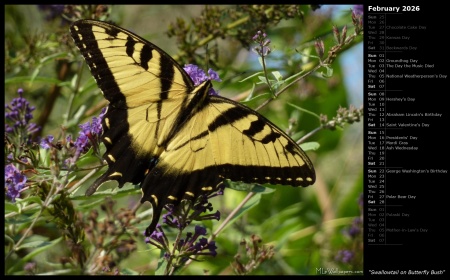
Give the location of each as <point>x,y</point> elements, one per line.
<point>305,225</point>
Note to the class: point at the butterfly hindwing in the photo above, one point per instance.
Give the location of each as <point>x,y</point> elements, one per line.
<point>237,143</point>
<point>225,140</point>
<point>257,150</point>
<point>171,137</point>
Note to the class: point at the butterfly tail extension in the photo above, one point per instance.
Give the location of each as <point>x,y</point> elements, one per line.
<point>157,209</point>
<point>156,189</point>
<point>167,185</point>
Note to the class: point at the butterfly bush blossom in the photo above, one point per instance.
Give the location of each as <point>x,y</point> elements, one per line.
<point>18,132</point>
<point>198,76</point>
<point>193,244</point>
<point>344,256</point>
<point>357,17</point>
<point>352,254</point>
<point>90,133</point>
<point>52,11</point>
<point>89,136</point>
<point>263,49</point>
<point>14,182</point>
<point>358,9</point>
<point>17,119</point>
<point>189,246</point>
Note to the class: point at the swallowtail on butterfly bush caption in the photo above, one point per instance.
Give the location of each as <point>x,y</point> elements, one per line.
<point>171,137</point>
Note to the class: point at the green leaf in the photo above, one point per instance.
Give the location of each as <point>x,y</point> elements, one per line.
<point>303,110</point>
<point>252,202</point>
<point>254,98</point>
<point>31,199</point>
<point>329,72</point>
<point>240,186</point>
<point>87,160</point>
<point>111,192</point>
<point>285,221</point>
<point>10,207</point>
<point>293,76</point>
<point>75,119</point>
<point>162,264</point>
<point>277,75</point>
<point>22,220</point>
<point>89,86</point>
<point>44,61</point>
<point>40,246</point>
<point>250,95</point>
<point>251,76</point>
<point>127,271</point>
<point>310,146</point>
<point>26,79</point>
<point>260,61</point>
<point>52,57</point>
<point>262,80</point>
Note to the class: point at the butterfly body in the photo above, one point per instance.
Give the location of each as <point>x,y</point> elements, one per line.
<point>173,138</point>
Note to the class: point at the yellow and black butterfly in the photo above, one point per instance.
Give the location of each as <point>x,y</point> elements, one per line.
<point>173,138</point>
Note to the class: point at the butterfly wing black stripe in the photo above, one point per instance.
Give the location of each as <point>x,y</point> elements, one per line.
<point>172,137</point>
